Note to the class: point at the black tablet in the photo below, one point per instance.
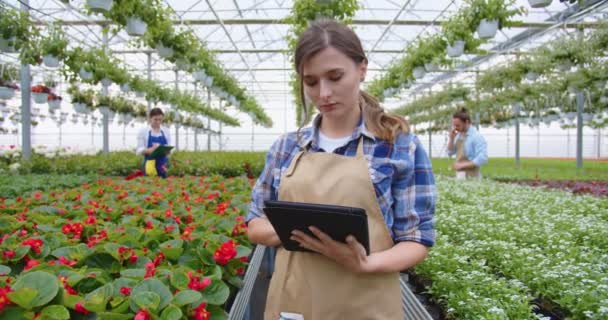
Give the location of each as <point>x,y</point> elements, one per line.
<point>336,221</point>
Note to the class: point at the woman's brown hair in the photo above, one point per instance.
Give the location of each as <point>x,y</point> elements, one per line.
<point>325,33</point>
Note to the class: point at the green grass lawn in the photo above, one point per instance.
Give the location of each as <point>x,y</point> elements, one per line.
<point>529,169</point>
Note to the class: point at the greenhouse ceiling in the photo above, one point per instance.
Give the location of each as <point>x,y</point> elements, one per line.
<point>248,38</point>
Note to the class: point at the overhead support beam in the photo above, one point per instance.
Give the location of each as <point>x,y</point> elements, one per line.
<point>194,22</point>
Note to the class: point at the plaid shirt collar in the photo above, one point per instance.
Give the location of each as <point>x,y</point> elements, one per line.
<point>312,137</point>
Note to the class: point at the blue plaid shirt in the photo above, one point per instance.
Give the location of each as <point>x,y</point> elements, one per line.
<point>401,173</point>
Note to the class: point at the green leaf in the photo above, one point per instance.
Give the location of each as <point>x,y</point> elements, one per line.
<point>217,293</point>
<point>216,273</point>
<point>112,249</point>
<point>133,273</point>
<point>72,252</point>
<point>20,253</point>
<point>97,300</point>
<point>114,316</point>
<point>206,255</point>
<point>172,249</point>
<point>103,261</point>
<point>185,297</point>
<point>145,300</point>
<point>152,285</point>
<point>171,313</point>
<point>55,312</point>
<point>14,313</point>
<point>43,285</point>
<point>4,270</point>
<point>242,251</point>
<point>217,313</point>
<point>180,279</point>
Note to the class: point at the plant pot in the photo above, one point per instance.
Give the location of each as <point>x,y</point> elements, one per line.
<point>81,107</point>
<point>199,75</point>
<point>125,88</point>
<point>587,117</point>
<point>532,76</point>
<point>564,65</point>
<point>431,67</point>
<point>50,61</point>
<point>106,82</point>
<point>164,52</point>
<point>104,110</point>
<point>571,115</point>
<point>419,73</point>
<point>539,3</point>
<point>7,93</point>
<point>54,104</point>
<point>209,81</point>
<point>603,99</point>
<point>136,26</point>
<point>140,94</point>
<point>456,49</point>
<point>182,64</point>
<point>487,29</point>
<point>85,75</point>
<point>40,97</point>
<point>600,84</point>
<point>100,5</point>
<point>7,45</point>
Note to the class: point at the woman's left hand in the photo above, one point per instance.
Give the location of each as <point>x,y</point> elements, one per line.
<point>350,254</point>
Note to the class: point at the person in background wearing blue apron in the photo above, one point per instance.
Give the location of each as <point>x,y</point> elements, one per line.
<point>354,154</point>
<point>149,138</point>
<point>468,145</point>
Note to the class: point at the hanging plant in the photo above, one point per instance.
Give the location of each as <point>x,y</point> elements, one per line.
<point>53,47</point>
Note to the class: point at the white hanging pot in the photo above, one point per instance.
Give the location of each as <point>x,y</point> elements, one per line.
<point>136,26</point>
<point>6,93</point>
<point>571,115</point>
<point>7,45</point>
<point>532,76</point>
<point>587,117</point>
<point>456,49</point>
<point>539,3</point>
<point>104,110</point>
<point>140,94</point>
<point>50,61</point>
<point>125,88</point>
<point>100,5</point>
<point>199,75</point>
<point>552,117</point>
<point>54,104</point>
<point>209,81</point>
<point>106,82</point>
<point>603,99</point>
<point>431,67</point>
<point>600,84</point>
<point>80,107</point>
<point>40,97</point>
<point>564,65</point>
<point>85,75</point>
<point>181,64</point>
<point>487,29</point>
<point>419,73</point>
<point>164,52</point>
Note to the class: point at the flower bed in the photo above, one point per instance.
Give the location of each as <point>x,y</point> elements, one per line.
<point>144,248</point>
<point>595,188</point>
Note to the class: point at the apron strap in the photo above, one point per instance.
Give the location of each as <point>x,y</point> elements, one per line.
<point>294,163</point>
<point>360,147</point>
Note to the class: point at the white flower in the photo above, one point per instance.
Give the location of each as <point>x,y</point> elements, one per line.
<point>14,167</point>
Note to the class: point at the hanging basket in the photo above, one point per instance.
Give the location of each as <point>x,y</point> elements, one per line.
<point>100,5</point>
<point>125,88</point>
<point>532,76</point>
<point>199,75</point>
<point>140,94</point>
<point>539,3</point>
<point>418,73</point>
<point>587,117</point>
<point>164,52</point>
<point>50,61</point>
<point>564,65</point>
<point>7,93</point>
<point>136,26</point>
<point>85,75</point>
<point>456,49</point>
<point>40,97</point>
<point>571,115</point>
<point>81,107</point>
<point>7,45</point>
<point>431,67</point>
<point>54,104</point>
<point>487,29</point>
<point>106,82</point>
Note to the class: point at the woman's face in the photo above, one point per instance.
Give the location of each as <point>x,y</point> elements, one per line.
<point>331,80</point>
<point>156,120</point>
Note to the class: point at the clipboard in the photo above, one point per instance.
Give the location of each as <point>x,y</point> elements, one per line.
<point>161,151</point>
<point>336,221</point>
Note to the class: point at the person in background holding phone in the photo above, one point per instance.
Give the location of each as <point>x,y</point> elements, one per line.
<point>468,145</point>
<point>150,138</point>
<point>355,155</point>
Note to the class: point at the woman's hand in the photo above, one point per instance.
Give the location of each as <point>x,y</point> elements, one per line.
<point>149,151</point>
<point>350,254</point>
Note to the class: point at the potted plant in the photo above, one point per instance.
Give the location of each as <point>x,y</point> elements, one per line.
<point>489,16</point>
<point>16,30</point>
<point>54,101</point>
<point>8,76</point>
<point>54,47</point>
<point>539,3</point>
<point>40,93</point>
<point>99,6</point>
<point>456,33</point>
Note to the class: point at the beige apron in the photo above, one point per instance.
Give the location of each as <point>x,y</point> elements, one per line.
<point>313,285</point>
<point>461,157</point>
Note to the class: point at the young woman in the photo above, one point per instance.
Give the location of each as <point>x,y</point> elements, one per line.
<point>150,138</point>
<point>353,155</point>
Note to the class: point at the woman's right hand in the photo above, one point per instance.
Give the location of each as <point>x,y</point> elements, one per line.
<point>149,151</point>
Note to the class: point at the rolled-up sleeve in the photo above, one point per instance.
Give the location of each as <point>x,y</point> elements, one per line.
<point>263,188</point>
<point>481,151</point>
<point>141,141</point>
<point>415,195</point>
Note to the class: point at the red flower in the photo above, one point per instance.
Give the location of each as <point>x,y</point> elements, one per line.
<point>225,252</point>
<point>125,290</point>
<point>221,208</point>
<point>200,313</point>
<point>240,227</point>
<point>149,225</point>
<point>196,283</point>
<point>150,270</point>
<point>80,308</point>
<point>4,301</point>
<point>9,254</point>
<point>137,173</point>
<point>142,314</point>
<point>34,243</point>
<point>67,262</point>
